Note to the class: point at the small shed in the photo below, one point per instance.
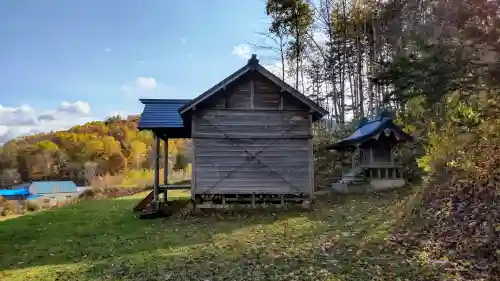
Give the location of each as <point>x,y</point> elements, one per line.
<point>251,133</point>
<point>37,189</point>
<point>53,188</point>
<point>373,163</point>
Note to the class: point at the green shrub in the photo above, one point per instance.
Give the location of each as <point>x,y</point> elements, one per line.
<point>181,161</point>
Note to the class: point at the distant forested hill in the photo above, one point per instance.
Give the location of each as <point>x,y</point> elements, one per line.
<point>94,148</point>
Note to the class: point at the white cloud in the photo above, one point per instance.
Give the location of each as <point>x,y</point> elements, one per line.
<point>78,108</point>
<point>243,51</point>
<point>25,120</point>
<point>141,84</point>
<point>3,130</point>
<point>108,50</point>
<point>22,115</point>
<point>145,83</point>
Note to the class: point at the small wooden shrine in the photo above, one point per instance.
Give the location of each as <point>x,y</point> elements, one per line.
<point>373,157</point>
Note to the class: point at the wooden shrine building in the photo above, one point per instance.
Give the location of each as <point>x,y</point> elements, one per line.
<point>373,162</point>
<point>252,138</point>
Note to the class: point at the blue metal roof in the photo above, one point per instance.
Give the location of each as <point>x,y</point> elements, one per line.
<point>368,129</point>
<point>161,113</point>
<point>14,192</point>
<point>48,187</point>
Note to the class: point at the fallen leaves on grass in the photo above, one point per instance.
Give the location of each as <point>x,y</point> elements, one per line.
<point>342,238</point>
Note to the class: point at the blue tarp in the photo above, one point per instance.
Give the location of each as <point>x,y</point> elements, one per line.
<point>14,192</point>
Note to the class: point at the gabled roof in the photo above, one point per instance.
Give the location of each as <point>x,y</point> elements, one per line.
<point>253,65</point>
<point>368,129</point>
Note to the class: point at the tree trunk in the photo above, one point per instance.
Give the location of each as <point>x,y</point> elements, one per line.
<point>360,75</point>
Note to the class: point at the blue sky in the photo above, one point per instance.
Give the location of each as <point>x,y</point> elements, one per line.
<point>66,62</point>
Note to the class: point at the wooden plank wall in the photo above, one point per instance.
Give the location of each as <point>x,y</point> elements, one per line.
<point>256,116</point>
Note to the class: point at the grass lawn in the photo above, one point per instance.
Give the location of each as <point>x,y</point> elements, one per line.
<point>340,239</point>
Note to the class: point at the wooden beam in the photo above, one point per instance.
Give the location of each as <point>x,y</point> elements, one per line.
<point>252,93</point>
<point>165,161</point>
<point>156,186</point>
<point>193,159</point>
<point>311,159</point>
<point>165,167</point>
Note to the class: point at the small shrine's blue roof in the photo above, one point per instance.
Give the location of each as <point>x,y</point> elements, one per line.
<point>368,129</point>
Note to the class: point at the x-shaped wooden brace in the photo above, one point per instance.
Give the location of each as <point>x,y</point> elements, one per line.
<point>252,156</point>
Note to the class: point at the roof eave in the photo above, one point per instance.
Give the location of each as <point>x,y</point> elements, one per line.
<point>320,112</point>
<point>339,146</point>
<point>157,101</point>
<point>237,74</point>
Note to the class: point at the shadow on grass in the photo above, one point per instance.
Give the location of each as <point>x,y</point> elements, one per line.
<point>342,238</point>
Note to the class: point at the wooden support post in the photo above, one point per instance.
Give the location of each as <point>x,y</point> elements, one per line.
<point>156,186</point>
<point>378,173</point>
<point>353,158</point>
<point>165,162</point>
<point>253,198</point>
<point>371,155</point>
<point>165,168</point>
<point>392,155</point>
